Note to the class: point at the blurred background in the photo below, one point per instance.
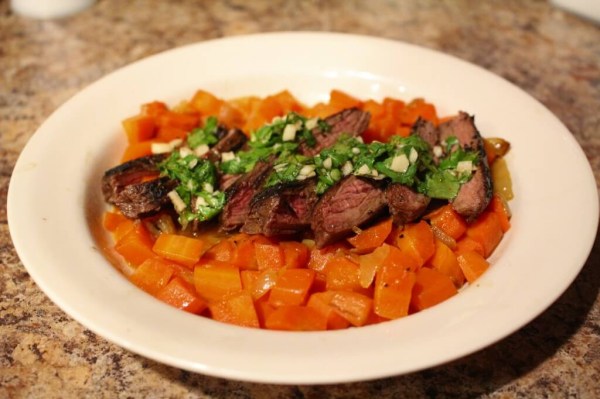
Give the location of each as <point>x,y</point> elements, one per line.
<point>545,49</point>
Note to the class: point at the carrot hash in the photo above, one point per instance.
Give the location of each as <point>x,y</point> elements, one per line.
<point>380,273</point>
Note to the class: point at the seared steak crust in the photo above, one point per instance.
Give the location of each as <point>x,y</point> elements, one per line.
<point>352,202</point>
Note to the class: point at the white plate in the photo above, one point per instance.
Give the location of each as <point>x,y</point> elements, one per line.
<point>55,190</point>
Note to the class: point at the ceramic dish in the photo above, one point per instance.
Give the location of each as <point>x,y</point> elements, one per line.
<point>54,202</point>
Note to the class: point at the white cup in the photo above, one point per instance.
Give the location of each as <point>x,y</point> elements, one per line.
<point>48,9</point>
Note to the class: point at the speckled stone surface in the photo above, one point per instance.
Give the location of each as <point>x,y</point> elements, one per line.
<point>552,55</point>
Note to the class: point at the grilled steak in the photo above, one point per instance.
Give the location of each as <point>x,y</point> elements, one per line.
<point>351,121</point>
<point>404,204</point>
<point>475,195</point>
<point>426,130</point>
<point>353,201</point>
<point>240,194</point>
<point>284,209</point>
<point>117,178</point>
<point>124,187</point>
<point>139,200</point>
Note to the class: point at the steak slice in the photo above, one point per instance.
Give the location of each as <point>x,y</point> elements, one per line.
<point>426,130</point>
<point>240,193</point>
<point>139,200</point>
<point>117,178</point>
<point>351,121</point>
<point>404,204</point>
<point>282,210</point>
<point>475,195</point>
<point>352,202</point>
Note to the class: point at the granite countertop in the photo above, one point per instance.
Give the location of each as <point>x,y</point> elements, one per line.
<point>553,55</point>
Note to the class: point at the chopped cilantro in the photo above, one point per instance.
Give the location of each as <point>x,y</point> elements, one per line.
<point>204,135</point>
<point>197,178</point>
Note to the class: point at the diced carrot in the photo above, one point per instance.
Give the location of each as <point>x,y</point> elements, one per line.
<point>342,274</point>
<point>139,128</point>
<point>268,256</point>
<point>403,131</point>
<point>123,229</point>
<point>137,150</point>
<point>431,287</point>
<point>291,287</point>
<point>295,254</point>
<point>369,239</point>
<point>183,272</point>
<point>264,281</point>
<point>136,245</point>
<point>340,100</point>
<point>263,310</point>
<point>418,108</point>
<point>169,133</point>
<point>352,306</point>
<point>473,265</point>
<point>112,220</point>
<point>249,278</point>
<point>487,231</point>
<point>450,222</point>
<point>179,248</point>
<point>398,258</point>
<point>319,257</point>
<point>444,261</point>
<point>235,309</point>
<point>321,110</point>
<point>467,244</point>
<point>288,102</point>
<point>500,208</point>
<point>206,103</point>
<point>154,109</point>
<point>393,291</point>
<point>393,106</point>
<point>182,295</point>
<point>374,108</point>
<point>321,301</point>
<point>230,116</point>
<point>152,275</point>
<point>179,120</point>
<point>417,241</point>
<point>214,283</point>
<point>296,318</point>
<point>245,250</point>
<point>223,251</point>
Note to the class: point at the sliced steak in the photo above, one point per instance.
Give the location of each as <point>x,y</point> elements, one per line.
<point>240,193</point>
<point>475,195</point>
<point>426,130</point>
<point>351,121</point>
<point>404,204</point>
<point>134,171</point>
<point>350,203</point>
<point>282,210</point>
<point>139,200</point>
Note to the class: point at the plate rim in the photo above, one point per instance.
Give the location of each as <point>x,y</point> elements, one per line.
<point>13,221</point>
